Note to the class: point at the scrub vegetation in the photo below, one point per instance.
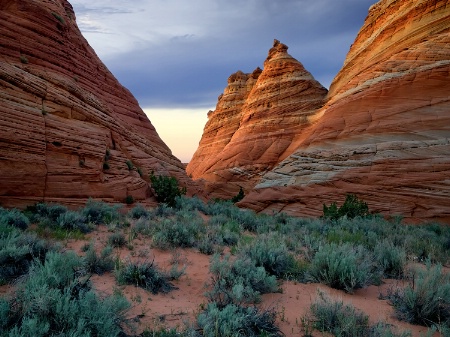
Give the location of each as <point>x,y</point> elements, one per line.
<point>250,255</point>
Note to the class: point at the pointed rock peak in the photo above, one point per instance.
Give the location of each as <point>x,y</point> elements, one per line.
<point>237,76</point>
<point>278,48</point>
<point>255,74</point>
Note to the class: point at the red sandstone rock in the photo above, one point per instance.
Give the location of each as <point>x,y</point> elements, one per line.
<point>384,131</point>
<point>62,111</point>
<point>254,123</point>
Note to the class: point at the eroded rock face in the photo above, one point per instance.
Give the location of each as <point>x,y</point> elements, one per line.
<point>384,133</point>
<point>67,126</point>
<point>255,121</point>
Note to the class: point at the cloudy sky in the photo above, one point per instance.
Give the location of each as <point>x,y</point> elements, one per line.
<point>175,55</point>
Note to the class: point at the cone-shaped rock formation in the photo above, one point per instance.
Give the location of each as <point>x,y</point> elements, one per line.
<point>255,121</point>
<point>67,126</point>
<point>384,133</point>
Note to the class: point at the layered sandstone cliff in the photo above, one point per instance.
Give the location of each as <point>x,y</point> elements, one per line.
<point>255,121</point>
<point>67,126</point>
<point>384,133</point>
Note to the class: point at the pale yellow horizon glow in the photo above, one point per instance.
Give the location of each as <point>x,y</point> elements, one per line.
<point>180,129</point>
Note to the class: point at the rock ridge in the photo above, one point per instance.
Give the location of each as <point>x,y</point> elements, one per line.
<point>68,128</point>
<point>384,131</point>
<point>254,123</point>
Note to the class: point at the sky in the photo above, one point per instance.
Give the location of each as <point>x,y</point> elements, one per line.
<point>175,56</point>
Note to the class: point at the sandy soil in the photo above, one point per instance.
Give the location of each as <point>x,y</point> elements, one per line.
<point>182,305</point>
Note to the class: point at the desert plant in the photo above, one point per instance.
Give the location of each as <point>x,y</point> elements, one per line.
<point>145,275</point>
<point>55,301</point>
<point>338,319</point>
<point>391,258</point>
<point>17,253</point>
<point>190,204</point>
<point>41,212</point>
<point>58,17</point>
<point>130,165</point>
<point>426,300</point>
<point>117,240</point>
<point>72,220</point>
<point>99,212</point>
<point>234,320</point>
<point>238,281</point>
<point>138,211</point>
<point>96,264</point>
<point>23,59</point>
<point>238,197</point>
<point>343,267</point>
<point>352,207</point>
<point>271,252</point>
<point>129,199</point>
<point>166,189</point>
<point>13,218</point>
<point>177,233</point>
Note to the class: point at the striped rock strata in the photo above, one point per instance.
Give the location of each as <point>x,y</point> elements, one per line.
<point>384,132</point>
<point>62,112</point>
<point>255,121</point>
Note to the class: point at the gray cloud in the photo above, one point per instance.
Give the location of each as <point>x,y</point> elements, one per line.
<point>177,53</point>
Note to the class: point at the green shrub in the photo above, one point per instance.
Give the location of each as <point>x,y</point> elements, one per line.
<point>99,212</point>
<point>173,233</point>
<point>58,17</point>
<point>238,281</point>
<point>351,208</point>
<point>338,319</point>
<point>166,189</point>
<point>129,199</point>
<point>270,252</point>
<point>145,275</point>
<point>190,204</point>
<point>55,301</point>
<point>427,300</point>
<point>17,253</point>
<point>117,240</point>
<point>163,211</point>
<point>343,267</point>
<point>165,333</point>
<point>72,221</point>
<point>98,264</point>
<point>13,218</point>
<point>42,212</point>
<point>238,197</point>
<point>233,320</point>
<point>344,320</point>
<point>206,245</point>
<point>138,211</point>
<point>391,258</point>
<point>130,165</point>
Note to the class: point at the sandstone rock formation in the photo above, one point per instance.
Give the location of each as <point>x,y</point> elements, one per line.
<point>384,132</point>
<point>255,121</point>
<point>67,126</point>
